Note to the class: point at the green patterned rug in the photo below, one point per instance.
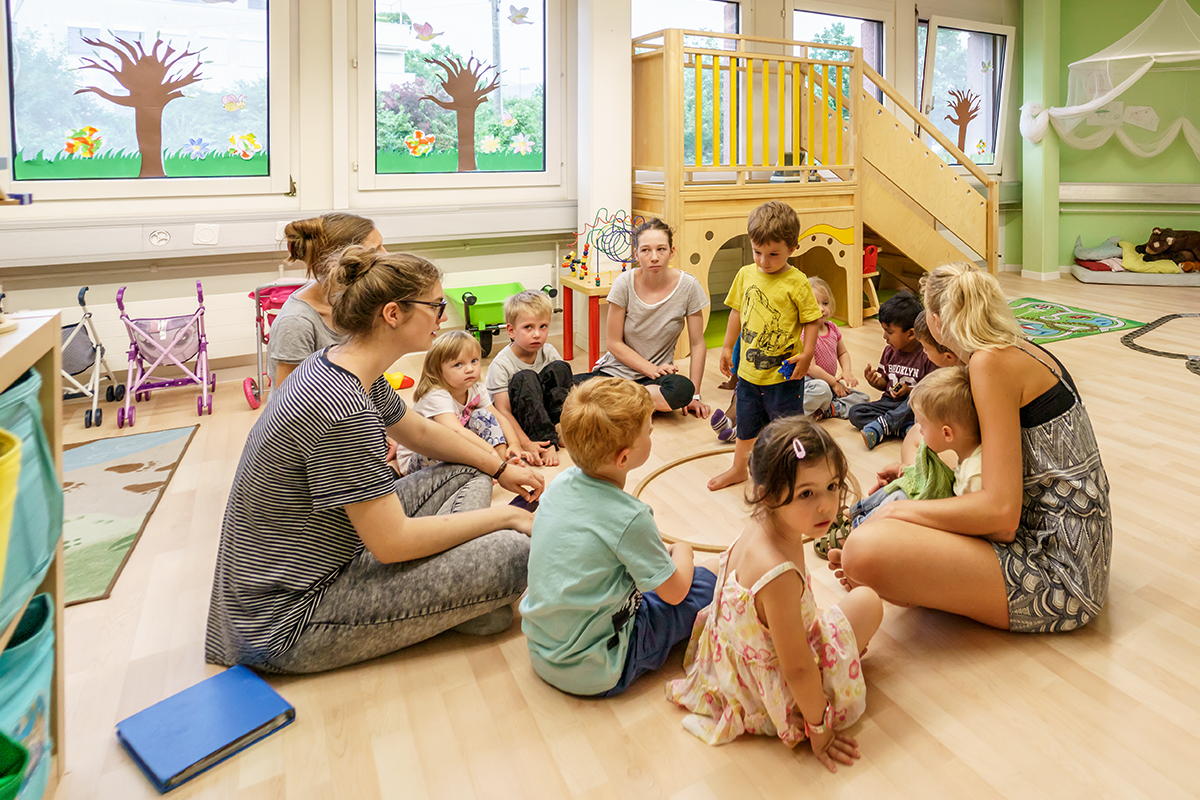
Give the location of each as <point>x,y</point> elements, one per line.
<point>1045,322</point>
<point>111,487</point>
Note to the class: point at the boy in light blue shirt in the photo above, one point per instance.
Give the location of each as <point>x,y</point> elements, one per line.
<point>607,600</point>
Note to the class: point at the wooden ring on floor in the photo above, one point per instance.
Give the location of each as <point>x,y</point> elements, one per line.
<point>644,482</point>
<point>855,491</point>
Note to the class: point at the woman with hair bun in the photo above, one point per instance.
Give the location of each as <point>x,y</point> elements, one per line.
<point>325,558</point>
<point>1030,551</point>
<point>304,324</point>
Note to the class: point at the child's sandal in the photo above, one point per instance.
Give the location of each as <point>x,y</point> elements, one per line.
<point>836,538</point>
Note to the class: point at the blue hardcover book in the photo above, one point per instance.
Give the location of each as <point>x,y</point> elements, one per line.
<point>176,739</point>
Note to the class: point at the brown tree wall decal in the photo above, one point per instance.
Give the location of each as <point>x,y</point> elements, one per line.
<point>464,83</point>
<point>151,85</point>
<point>965,105</point>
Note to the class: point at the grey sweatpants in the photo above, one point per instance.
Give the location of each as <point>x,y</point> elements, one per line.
<point>373,608</point>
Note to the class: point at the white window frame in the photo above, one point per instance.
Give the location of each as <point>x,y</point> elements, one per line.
<point>1010,34</point>
<point>554,173</point>
<point>283,127</point>
<point>881,12</point>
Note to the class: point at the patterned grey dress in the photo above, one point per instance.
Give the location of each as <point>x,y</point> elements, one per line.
<point>1056,570</point>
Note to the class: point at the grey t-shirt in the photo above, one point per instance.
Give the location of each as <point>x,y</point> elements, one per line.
<point>506,364</point>
<point>297,333</point>
<point>651,331</point>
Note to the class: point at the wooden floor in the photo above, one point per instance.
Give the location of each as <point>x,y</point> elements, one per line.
<point>954,710</point>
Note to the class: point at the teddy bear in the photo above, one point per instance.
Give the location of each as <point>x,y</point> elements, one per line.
<point>1166,243</point>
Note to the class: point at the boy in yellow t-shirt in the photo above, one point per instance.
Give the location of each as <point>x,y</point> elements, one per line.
<point>771,304</point>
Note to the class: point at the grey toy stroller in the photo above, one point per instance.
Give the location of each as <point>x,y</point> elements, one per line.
<point>82,350</point>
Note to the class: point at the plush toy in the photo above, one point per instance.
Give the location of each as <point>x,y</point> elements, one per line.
<point>1166,243</point>
<point>1190,266</point>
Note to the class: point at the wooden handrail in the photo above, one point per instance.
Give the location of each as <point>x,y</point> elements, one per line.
<point>926,124</point>
<point>743,38</point>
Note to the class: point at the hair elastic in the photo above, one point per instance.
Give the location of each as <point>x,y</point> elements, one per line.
<point>798,449</point>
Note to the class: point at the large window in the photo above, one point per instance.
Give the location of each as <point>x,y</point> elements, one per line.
<point>460,87</point>
<point>120,89</point>
<point>963,75</point>
<point>718,16</point>
<point>809,26</point>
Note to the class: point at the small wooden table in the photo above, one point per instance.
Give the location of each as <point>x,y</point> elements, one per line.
<point>594,294</point>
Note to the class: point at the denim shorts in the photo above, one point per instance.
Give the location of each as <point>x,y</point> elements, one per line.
<point>758,405</point>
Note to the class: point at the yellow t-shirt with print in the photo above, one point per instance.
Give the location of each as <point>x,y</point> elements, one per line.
<point>774,309</point>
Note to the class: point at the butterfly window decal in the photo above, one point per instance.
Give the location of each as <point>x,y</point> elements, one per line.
<point>519,16</point>
<point>986,67</point>
<point>424,31</point>
<point>233,102</point>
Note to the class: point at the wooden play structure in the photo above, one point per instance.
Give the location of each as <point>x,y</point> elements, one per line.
<point>714,124</point>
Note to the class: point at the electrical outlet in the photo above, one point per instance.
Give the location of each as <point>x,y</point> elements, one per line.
<point>206,234</point>
<point>279,233</point>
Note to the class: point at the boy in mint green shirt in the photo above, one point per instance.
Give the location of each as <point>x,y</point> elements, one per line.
<point>607,600</point>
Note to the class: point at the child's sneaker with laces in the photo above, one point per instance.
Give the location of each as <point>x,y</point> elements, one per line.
<point>873,433</point>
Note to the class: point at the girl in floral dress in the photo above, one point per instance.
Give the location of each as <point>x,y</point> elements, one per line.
<point>753,664</point>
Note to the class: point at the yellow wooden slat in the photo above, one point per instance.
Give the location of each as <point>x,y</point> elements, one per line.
<point>699,149</point>
<point>749,111</point>
<point>795,115</point>
<point>812,112</point>
<point>735,75</point>
<point>716,110</point>
<point>838,113</point>
<point>766,112</point>
<point>825,116</point>
<point>782,120</point>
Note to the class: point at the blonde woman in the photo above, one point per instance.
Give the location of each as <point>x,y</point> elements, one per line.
<point>1029,551</point>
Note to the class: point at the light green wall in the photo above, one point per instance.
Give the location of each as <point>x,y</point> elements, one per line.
<point>1087,27</point>
<point>1040,24</point>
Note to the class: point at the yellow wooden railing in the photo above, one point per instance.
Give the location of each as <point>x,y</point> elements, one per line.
<point>761,107</point>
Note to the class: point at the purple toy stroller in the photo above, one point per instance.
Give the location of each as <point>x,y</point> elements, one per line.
<point>169,340</point>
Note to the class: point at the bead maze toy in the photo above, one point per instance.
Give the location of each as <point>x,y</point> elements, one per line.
<point>608,235</point>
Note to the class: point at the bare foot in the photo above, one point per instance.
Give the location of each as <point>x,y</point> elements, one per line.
<point>729,477</point>
<point>835,564</point>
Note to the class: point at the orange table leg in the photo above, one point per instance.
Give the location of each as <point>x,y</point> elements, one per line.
<point>593,331</point>
<point>568,323</point>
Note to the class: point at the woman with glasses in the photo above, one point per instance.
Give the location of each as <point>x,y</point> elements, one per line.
<point>325,558</point>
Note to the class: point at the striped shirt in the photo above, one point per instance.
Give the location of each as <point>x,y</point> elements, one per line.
<point>318,446</point>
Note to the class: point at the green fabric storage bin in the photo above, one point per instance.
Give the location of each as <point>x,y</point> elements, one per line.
<point>27,670</point>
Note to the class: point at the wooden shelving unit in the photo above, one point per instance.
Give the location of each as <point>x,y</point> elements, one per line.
<point>37,343</point>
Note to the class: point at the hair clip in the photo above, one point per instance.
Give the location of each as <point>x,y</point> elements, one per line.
<point>798,449</point>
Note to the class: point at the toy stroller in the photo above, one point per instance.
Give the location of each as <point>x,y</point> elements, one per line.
<point>173,340</point>
<point>81,349</point>
<point>268,299</point>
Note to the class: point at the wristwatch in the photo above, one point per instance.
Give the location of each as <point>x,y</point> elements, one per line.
<point>826,721</point>
<point>696,396</point>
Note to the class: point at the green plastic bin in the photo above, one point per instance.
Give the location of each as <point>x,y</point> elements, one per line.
<point>13,760</point>
<point>482,307</point>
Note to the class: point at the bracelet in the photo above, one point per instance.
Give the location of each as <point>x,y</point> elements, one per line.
<point>696,396</point>
<point>826,721</point>
<point>503,466</point>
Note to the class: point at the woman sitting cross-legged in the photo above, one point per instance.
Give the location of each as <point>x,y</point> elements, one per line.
<point>1030,550</point>
<point>325,558</point>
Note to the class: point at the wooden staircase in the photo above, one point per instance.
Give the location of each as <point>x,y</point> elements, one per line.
<point>867,177</point>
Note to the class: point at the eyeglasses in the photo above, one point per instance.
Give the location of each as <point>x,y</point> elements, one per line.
<point>440,305</point>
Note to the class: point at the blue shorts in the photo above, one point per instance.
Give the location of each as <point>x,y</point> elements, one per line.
<point>659,626</point>
<point>758,405</point>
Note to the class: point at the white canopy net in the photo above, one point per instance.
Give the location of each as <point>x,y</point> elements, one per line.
<point>1167,42</point>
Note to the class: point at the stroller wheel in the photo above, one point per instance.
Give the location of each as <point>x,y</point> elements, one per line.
<point>120,418</point>
<point>119,395</point>
<point>137,397</point>
<point>110,393</point>
<point>250,389</point>
<point>97,417</point>
<point>199,406</point>
<point>212,382</point>
<point>87,418</point>
<point>129,416</point>
<point>209,407</point>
